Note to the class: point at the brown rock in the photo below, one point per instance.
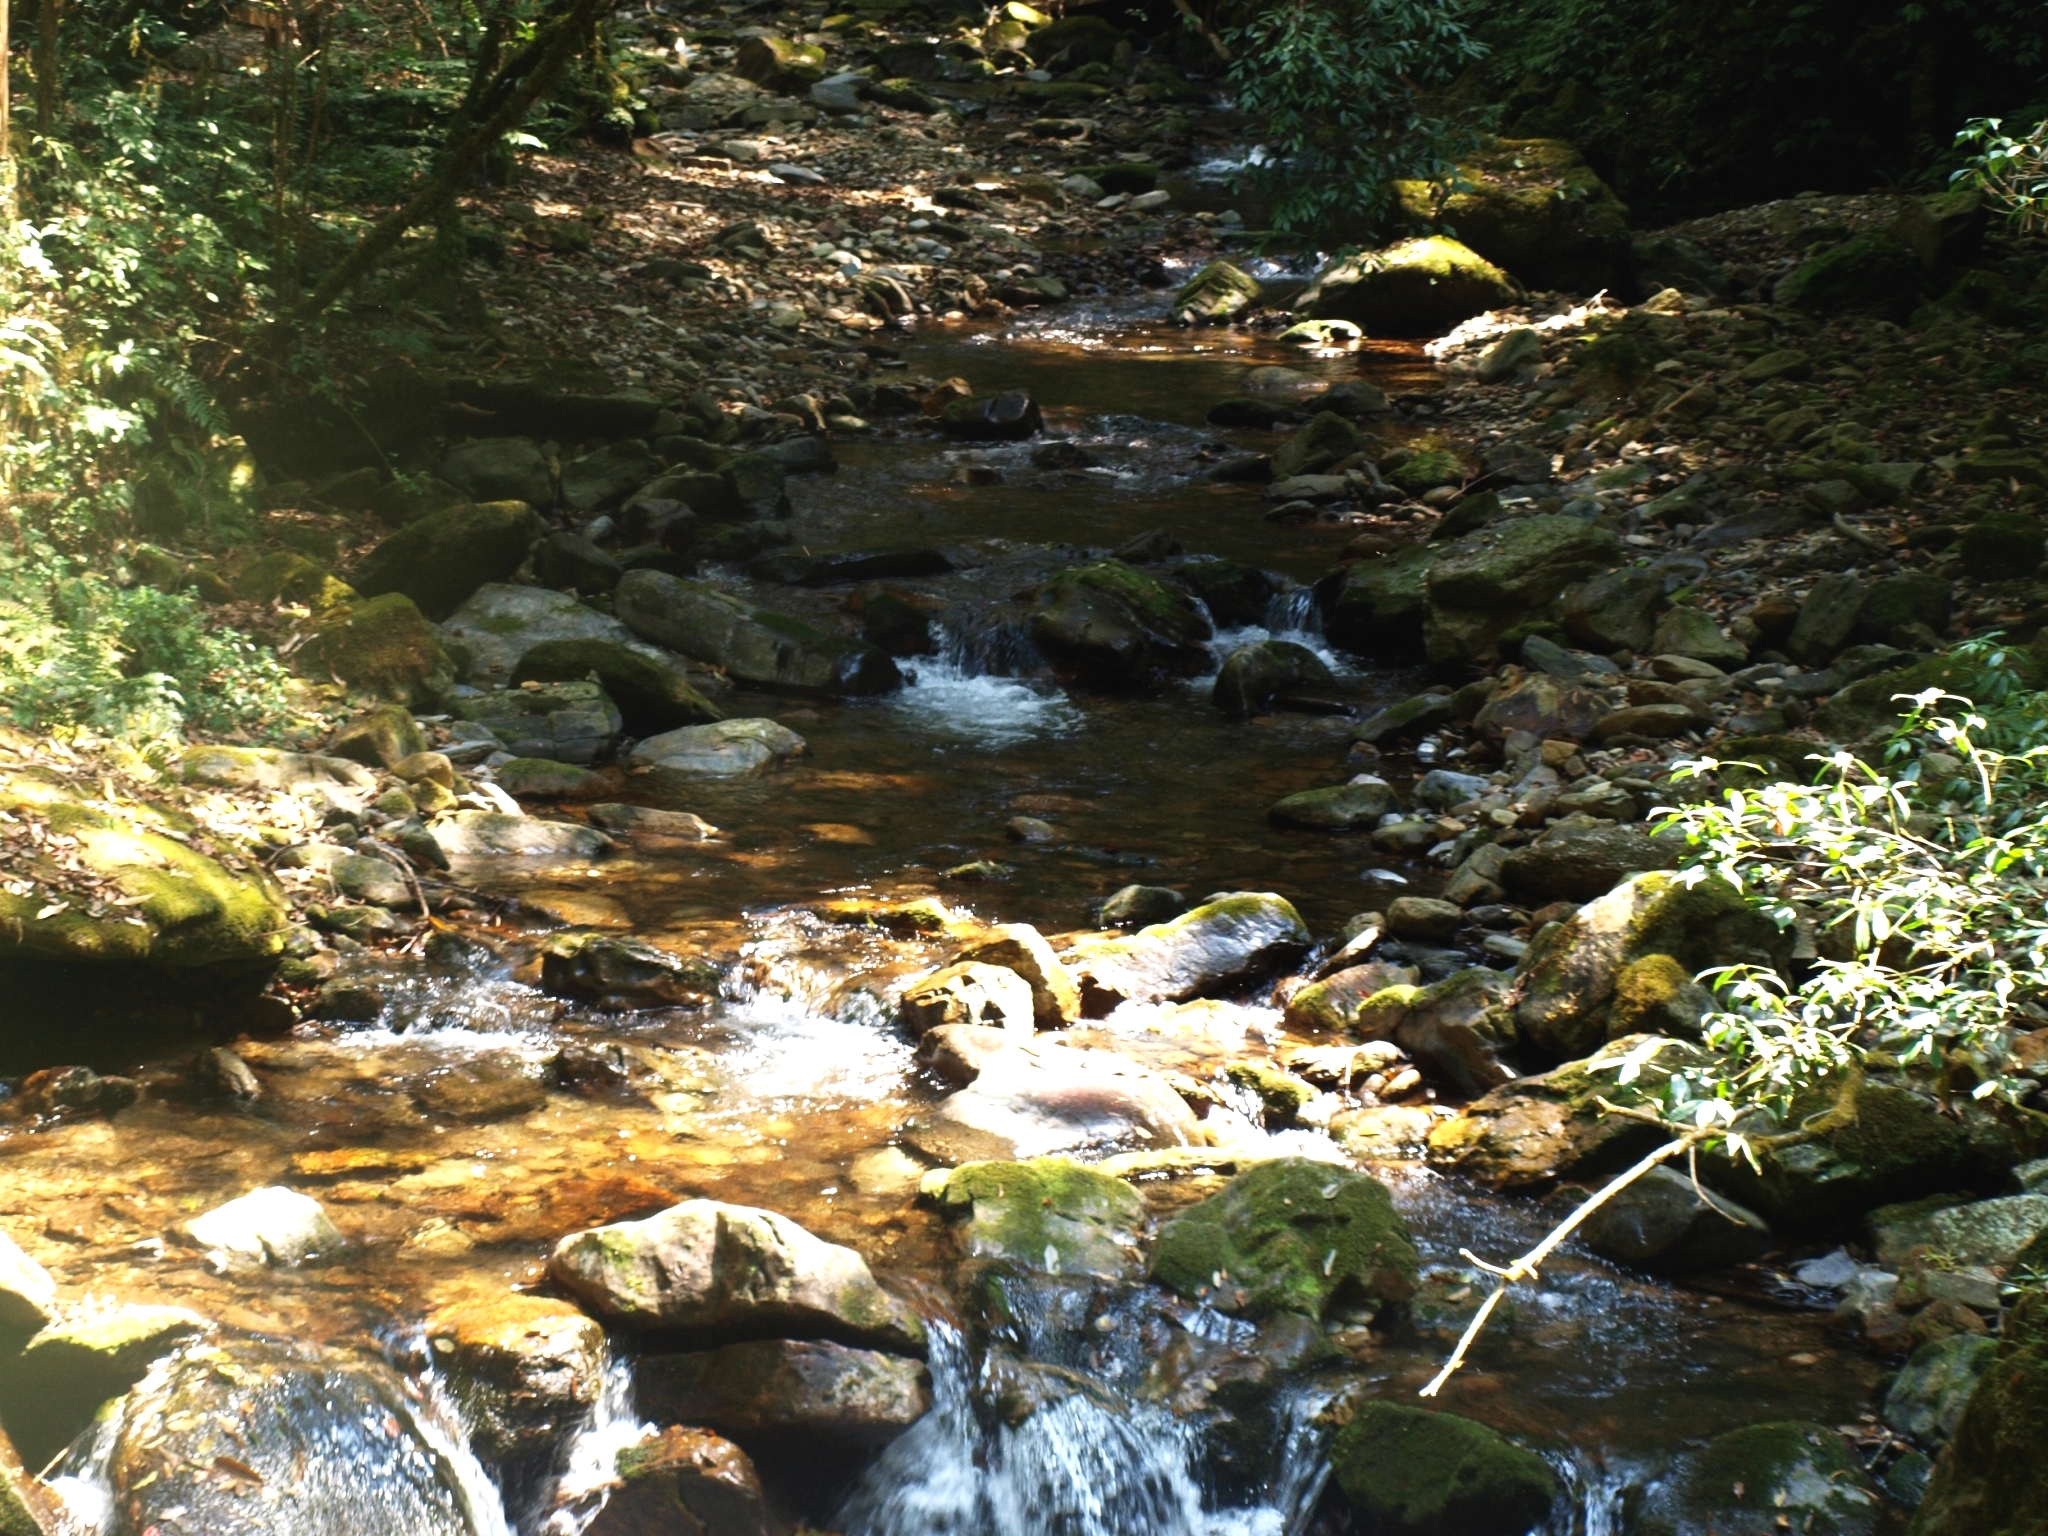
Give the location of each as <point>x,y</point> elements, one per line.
<point>525,1370</point>
<point>684,1482</point>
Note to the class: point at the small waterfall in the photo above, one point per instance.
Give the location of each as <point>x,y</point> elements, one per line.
<point>1293,615</point>
<point>590,1463</point>
<point>1088,1464</point>
<point>979,689</point>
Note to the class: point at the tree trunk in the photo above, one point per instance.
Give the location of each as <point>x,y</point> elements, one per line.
<point>494,108</point>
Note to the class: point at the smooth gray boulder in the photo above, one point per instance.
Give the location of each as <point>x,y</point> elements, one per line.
<point>717,1268</point>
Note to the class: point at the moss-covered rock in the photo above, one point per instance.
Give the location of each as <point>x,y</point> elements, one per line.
<point>1488,582</point>
<point>778,64</point>
<point>1233,938</point>
<point>1290,1236</point>
<point>684,1479</point>
<point>1535,208</point>
<point>753,645</point>
<point>379,736</point>
<point>1410,1472</point>
<point>383,648</point>
<point>1991,1479</point>
<point>285,576</point>
<point>652,695</point>
<point>1118,627</point>
<point>1416,288</point>
<point>1763,1480</point>
<point>1047,1214</point>
<point>1895,1145</point>
<point>1571,974</point>
<point>1376,607</point>
<point>2003,545</point>
<point>1216,295</point>
<point>1326,441</point>
<point>1871,273</point>
<point>52,1389</point>
<point>155,896</point>
<point>445,556</point>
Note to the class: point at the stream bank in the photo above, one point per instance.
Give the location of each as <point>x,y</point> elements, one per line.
<point>975,858</point>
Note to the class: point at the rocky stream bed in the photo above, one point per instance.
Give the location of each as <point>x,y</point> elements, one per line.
<point>947,901</point>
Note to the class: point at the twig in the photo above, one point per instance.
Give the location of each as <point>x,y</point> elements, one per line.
<point>1526,1266</point>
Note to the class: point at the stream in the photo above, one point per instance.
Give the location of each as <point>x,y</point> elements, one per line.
<point>475,1119</point>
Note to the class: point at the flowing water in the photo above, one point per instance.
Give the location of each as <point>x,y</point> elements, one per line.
<point>476,1119</point>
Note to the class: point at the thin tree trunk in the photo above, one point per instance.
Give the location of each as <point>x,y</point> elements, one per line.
<point>49,18</point>
<point>503,103</point>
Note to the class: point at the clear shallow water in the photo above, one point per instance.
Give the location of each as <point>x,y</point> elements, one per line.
<point>781,1094</point>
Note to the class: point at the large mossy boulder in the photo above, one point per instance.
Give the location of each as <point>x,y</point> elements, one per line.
<point>1240,937</point>
<point>652,696</point>
<point>1585,980</point>
<point>499,469</point>
<point>1114,626</point>
<point>1290,1236</point>
<point>777,64</point>
<point>1991,1479</point>
<point>382,649</point>
<point>1536,209</point>
<point>1412,1472</point>
<point>753,645</point>
<point>1416,288</point>
<point>1881,1144</point>
<point>1048,1214</point>
<point>1763,1480</point>
<point>1503,575</point>
<point>445,556</point>
<point>135,889</point>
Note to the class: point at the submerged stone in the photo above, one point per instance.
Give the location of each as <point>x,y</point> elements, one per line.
<point>1762,1480</point>
<point>259,1439</point>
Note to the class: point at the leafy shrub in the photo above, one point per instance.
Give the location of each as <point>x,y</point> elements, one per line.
<point>1918,887</point>
<point>2012,173</point>
<point>1348,94</point>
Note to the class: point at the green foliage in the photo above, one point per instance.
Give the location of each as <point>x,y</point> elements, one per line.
<point>1920,886</point>
<point>2012,173</point>
<point>1688,103</point>
<point>77,651</point>
<point>1348,95</point>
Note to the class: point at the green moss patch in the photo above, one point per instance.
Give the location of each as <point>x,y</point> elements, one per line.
<point>1290,1236</point>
